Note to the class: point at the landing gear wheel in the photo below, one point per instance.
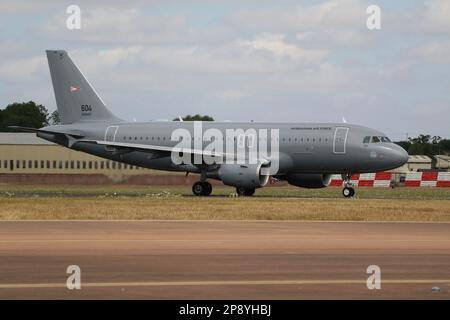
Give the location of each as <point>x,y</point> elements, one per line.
<point>241,191</point>
<point>348,192</point>
<point>202,188</point>
<point>207,188</point>
<point>197,188</point>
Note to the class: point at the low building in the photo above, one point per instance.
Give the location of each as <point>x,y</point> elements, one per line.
<point>415,163</point>
<point>25,158</point>
<point>441,162</point>
<point>419,163</point>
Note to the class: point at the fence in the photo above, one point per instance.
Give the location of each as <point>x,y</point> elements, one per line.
<point>379,179</point>
<point>386,179</point>
<point>427,179</point>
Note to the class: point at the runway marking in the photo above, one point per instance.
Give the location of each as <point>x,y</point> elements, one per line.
<point>218,283</point>
<point>231,220</point>
<point>105,240</point>
<point>205,240</point>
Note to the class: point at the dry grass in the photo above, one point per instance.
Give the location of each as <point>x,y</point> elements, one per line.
<point>273,192</point>
<point>188,207</point>
<point>176,202</point>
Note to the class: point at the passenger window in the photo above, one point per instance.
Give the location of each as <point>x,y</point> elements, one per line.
<point>366,139</point>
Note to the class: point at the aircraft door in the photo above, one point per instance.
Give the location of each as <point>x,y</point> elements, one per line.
<point>110,135</point>
<point>340,140</point>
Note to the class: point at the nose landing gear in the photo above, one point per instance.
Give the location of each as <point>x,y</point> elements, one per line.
<point>348,190</point>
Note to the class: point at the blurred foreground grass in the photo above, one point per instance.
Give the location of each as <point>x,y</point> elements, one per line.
<point>177,202</point>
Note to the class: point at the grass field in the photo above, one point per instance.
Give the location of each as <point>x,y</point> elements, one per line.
<point>274,203</point>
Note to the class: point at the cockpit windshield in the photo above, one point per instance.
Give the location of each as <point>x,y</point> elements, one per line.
<point>375,139</point>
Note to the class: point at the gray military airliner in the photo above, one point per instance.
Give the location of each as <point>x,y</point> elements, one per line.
<point>307,153</point>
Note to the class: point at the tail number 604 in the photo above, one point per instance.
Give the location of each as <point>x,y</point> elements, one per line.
<point>86,108</point>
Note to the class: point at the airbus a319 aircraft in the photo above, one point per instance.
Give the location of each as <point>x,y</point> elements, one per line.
<point>307,153</point>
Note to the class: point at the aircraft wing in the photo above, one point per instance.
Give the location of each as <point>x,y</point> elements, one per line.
<point>153,147</point>
<point>164,149</point>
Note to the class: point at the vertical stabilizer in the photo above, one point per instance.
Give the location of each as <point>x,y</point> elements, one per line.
<point>76,99</point>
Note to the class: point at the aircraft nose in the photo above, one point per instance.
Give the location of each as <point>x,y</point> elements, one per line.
<point>398,155</point>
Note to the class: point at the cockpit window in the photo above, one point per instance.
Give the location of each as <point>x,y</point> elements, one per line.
<point>376,139</point>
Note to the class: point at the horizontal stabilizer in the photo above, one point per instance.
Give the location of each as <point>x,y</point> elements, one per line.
<point>35,130</point>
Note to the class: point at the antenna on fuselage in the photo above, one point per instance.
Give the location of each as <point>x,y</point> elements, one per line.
<point>344,120</point>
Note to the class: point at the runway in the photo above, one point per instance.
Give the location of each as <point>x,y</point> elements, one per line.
<point>224,259</point>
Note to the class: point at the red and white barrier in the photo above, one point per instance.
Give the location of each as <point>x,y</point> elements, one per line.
<point>427,179</point>
<point>379,179</point>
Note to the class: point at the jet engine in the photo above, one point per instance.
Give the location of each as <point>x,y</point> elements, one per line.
<point>309,180</point>
<point>244,175</point>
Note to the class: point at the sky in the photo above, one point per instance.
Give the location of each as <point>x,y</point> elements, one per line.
<point>242,60</point>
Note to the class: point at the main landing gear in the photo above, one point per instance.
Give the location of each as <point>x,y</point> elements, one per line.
<point>241,191</point>
<point>202,188</point>
<point>348,190</point>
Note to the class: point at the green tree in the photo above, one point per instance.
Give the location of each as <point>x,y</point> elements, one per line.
<point>54,118</point>
<point>425,144</point>
<point>25,114</point>
<point>196,117</point>
<point>422,145</point>
<point>404,144</point>
<point>444,146</point>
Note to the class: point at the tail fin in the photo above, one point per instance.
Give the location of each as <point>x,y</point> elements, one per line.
<point>76,99</point>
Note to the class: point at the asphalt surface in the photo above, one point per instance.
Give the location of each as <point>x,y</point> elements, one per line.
<point>224,259</point>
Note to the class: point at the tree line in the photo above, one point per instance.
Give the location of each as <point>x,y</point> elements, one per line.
<point>425,144</point>
<point>31,114</point>
<point>26,114</point>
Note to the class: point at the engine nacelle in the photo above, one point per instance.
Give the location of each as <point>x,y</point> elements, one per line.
<point>309,180</point>
<point>240,175</point>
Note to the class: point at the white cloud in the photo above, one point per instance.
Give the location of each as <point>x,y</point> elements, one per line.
<point>231,95</point>
<point>23,6</point>
<point>21,70</point>
<point>318,23</point>
<point>435,52</point>
<point>437,16</point>
<point>112,25</point>
<point>262,54</point>
<point>280,49</point>
<point>112,57</point>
